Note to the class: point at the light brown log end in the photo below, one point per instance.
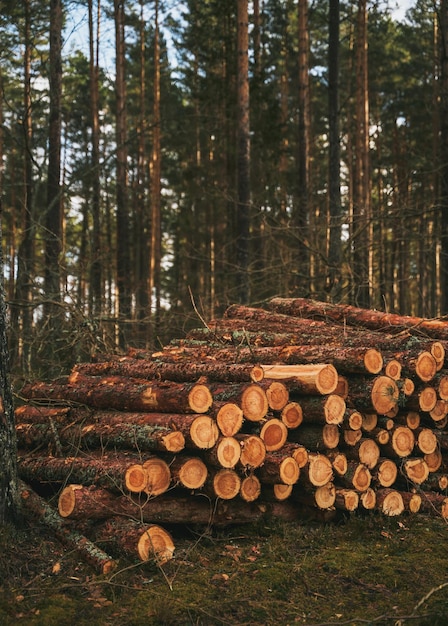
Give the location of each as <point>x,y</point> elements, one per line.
<point>292,415</point>
<point>229,419</point>
<point>204,432</point>
<point>136,478</point>
<point>200,399</point>
<point>254,403</point>
<point>274,433</point>
<point>155,544</point>
<point>250,488</point>
<point>373,361</point>
<point>384,394</point>
<point>159,476</point>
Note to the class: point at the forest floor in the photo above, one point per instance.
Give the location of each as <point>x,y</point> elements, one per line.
<point>362,569</point>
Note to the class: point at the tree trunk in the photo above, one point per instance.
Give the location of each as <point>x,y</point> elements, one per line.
<point>9,494</point>
<point>243,152</point>
<point>53,215</point>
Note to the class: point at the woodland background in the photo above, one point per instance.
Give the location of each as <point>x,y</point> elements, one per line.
<point>194,154</point>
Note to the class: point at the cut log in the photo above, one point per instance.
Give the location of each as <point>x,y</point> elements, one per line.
<point>338,461</point>
<point>187,371</point>
<point>323,410</point>
<point>123,394</point>
<point>393,369</point>
<point>349,314</point>
<point>367,499</point>
<point>412,501</point>
<point>278,492</point>
<point>225,453</point>
<point>385,472</point>
<point>378,394</point>
<point>439,412</point>
<point>440,382</point>
<point>159,476</point>
<point>351,437</point>
<point>346,499</point>
<point>316,438</point>
<point>356,477</point>
<point>250,489</point>
<point>425,440</point>
<point>389,502</point>
<point>203,433</point>
<point>88,503</point>
<point>225,484</point>
<point>436,482</point>
<point>424,399</point>
<point>251,398</point>
<point>298,452</point>
<point>41,414</point>
<point>124,436</point>
<point>353,419</point>
<point>411,419</point>
<point>415,470</point>
<point>147,542</point>
<point>253,451</point>
<point>365,451</point>
<point>277,394</point>
<point>188,472</point>
<point>274,433</point>
<point>318,470</point>
<point>434,460</point>
<point>120,472</point>
<point>229,417</point>
<point>323,497</point>
<point>401,443</point>
<point>41,511</point>
<point>305,379</point>
<point>292,415</point>
<point>380,435</point>
<point>278,468</point>
<point>369,421</point>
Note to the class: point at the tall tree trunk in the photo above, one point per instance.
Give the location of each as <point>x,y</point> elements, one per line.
<point>155,174</point>
<point>53,216</point>
<point>9,494</point>
<point>443,201</point>
<point>96,270</point>
<point>334,169</point>
<point>304,260</point>
<point>361,188</point>
<point>243,172</point>
<point>142,261</point>
<point>21,311</point>
<point>122,246</point>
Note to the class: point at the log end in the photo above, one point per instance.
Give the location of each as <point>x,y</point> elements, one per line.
<point>200,399</point>
<point>254,403</point>
<point>155,543</point>
<point>274,433</point>
<point>204,432</point>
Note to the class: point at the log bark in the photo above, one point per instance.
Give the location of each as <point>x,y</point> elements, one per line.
<point>41,511</point>
<point>125,436</point>
<point>316,438</point>
<point>412,501</point>
<point>119,472</point>
<point>123,394</point>
<point>189,371</point>
<point>349,314</point>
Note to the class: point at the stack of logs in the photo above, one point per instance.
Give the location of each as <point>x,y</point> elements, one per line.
<point>295,408</point>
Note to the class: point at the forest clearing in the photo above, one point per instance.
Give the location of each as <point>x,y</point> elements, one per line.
<point>244,467</point>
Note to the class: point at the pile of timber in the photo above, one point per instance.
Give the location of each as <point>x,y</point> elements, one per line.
<point>295,409</point>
